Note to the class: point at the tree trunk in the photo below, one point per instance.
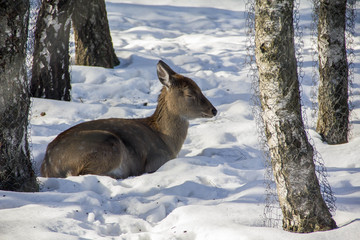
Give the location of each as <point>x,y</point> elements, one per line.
<point>93,44</point>
<point>333,118</point>
<point>303,207</point>
<point>50,72</point>
<point>16,173</point>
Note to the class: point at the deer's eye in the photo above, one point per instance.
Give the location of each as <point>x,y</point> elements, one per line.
<point>189,96</point>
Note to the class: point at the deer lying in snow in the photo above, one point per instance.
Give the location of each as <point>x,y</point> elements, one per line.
<point>128,147</point>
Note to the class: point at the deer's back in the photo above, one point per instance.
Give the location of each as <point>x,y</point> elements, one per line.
<point>115,147</point>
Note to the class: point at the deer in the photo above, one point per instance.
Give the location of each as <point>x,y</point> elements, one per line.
<point>120,147</point>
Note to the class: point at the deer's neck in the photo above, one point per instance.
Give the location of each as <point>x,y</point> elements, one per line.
<point>171,126</point>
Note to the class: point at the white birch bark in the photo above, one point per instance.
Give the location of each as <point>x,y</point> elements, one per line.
<point>298,189</point>
<point>50,71</point>
<point>333,116</point>
<point>16,173</point>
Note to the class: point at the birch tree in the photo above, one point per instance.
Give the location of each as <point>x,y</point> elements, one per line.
<point>302,205</point>
<point>93,44</point>
<point>50,71</point>
<point>333,116</point>
<point>16,173</point>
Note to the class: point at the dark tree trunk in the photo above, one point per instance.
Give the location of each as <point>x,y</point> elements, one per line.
<point>16,173</point>
<point>93,42</point>
<point>50,72</point>
<point>333,118</point>
<point>303,207</point>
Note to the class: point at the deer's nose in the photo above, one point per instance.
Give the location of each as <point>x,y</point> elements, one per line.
<point>214,111</point>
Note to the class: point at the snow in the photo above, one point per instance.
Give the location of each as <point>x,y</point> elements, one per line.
<point>215,188</point>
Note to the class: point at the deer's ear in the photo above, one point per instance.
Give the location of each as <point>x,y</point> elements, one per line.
<point>164,73</point>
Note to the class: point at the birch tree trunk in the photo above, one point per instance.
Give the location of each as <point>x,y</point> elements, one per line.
<point>93,44</point>
<point>50,72</point>
<point>333,117</point>
<point>303,207</point>
<point>16,173</point>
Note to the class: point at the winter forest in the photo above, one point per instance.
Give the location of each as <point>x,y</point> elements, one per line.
<point>262,144</point>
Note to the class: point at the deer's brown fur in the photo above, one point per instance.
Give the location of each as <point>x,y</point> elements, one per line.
<point>127,147</point>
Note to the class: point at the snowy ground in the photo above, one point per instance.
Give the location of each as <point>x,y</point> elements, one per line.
<point>214,189</point>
